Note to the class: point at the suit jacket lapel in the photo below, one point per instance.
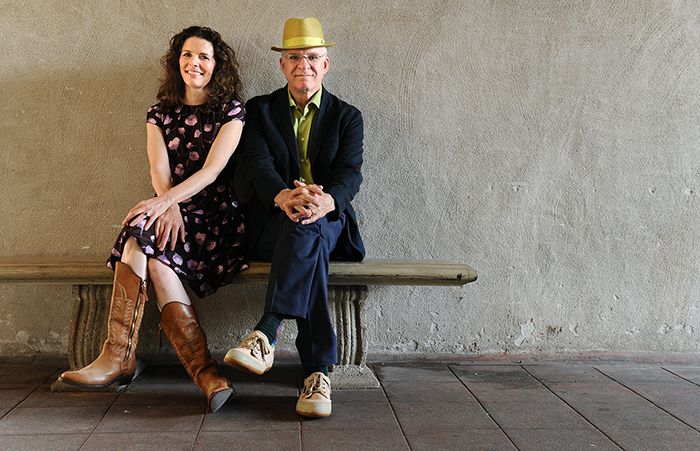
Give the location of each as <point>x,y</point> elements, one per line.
<point>283,115</point>
<point>319,128</point>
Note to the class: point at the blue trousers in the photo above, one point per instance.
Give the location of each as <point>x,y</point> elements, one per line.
<point>298,284</point>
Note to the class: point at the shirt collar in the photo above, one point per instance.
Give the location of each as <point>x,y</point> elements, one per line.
<point>315,99</point>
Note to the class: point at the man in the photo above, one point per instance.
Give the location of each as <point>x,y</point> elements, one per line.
<point>300,163</point>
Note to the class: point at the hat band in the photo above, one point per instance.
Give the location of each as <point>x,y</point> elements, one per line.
<point>305,41</point>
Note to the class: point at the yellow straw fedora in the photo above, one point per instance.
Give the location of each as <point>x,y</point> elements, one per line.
<point>302,34</point>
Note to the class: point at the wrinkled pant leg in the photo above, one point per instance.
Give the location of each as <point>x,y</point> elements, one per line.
<point>298,285</point>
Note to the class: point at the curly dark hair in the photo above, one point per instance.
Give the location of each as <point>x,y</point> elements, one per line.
<point>225,83</point>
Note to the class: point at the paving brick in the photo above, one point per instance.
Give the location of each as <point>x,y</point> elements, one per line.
<point>271,389</point>
<point>51,420</point>
<point>689,372</point>
<point>361,395</point>
<point>43,397</point>
<point>500,377</point>
<point>404,373</point>
<point>563,439</point>
<point>167,394</point>
<point>465,439</point>
<point>353,439</point>
<point>417,418</point>
<point>658,440</point>
<point>254,414</point>
<point>140,441</point>
<point>248,440</point>
<point>611,407</point>
<point>47,442</point>
<point>665,390</point>
<point>152,418</point>
<point>12,397</point>
<point>19,376</point>
<point>376,416</point>
<point>428,392</point>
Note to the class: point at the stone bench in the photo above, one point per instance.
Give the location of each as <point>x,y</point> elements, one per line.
<point>348,293</point>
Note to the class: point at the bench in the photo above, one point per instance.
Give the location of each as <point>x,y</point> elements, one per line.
<point>348,293</point>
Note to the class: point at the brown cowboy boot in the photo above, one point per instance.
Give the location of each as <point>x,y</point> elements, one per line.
<point>117,361</point>
<point>179,322</point>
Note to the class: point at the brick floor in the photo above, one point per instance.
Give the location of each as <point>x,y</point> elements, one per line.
<point>480,406</point>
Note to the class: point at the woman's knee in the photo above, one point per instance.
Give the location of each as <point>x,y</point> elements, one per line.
<point>157,271</point>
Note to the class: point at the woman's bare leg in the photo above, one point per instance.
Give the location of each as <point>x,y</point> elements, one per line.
<point>167,284</point>
<point>133,256</point>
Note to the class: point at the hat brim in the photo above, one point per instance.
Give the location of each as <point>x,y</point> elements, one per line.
<point>299,47</point>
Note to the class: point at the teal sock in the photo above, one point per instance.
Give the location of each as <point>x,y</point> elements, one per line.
<point>269,324</point>
<point>316,369</point>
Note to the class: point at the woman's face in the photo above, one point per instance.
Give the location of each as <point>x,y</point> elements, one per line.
<point>197,62</point>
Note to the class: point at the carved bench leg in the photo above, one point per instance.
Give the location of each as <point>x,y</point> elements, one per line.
<point>88,328</point>
<point>347,303</point>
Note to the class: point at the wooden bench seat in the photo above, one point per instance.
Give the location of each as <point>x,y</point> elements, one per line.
<point>348,293</point>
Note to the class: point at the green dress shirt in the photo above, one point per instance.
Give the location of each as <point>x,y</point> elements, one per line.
<point>303,120</point>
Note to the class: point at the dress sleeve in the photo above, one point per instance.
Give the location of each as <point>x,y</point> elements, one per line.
<point>154,116</point>
<point>233,110</point>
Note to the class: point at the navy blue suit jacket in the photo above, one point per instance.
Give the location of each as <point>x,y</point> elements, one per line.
<point>268,162</point>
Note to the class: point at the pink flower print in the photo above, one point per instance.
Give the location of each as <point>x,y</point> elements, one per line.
<point>116,253</point>
<point>197,221</point>
<point>223,206</point>
<point>174,144</point>
<point>219,269</point>
<point>181,130</point>
<point>240,228</point>
<point>235,111</point>
<point>215,230</point>
<point>191,119</point>
<point>188,145</point>
<point>207,128</point>
<point>194,156</point>
<point>179,170</point>
<point>150,120</point>
<point>197,133</point>
<point>211,245</point>
<point>167,119</point>
<point>164,259</point>
<point>186,246</point>
<point>178,109</point>
<point>192,265</point>
<point>177,259</point>
<point>200,237</point>
<point>198,212</point>
<point>167,131</point>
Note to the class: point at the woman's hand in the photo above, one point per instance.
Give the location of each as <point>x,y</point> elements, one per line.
<point>149,210</point>
<point>170,226</point>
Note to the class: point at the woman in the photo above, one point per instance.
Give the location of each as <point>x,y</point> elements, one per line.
<point>192,230</point>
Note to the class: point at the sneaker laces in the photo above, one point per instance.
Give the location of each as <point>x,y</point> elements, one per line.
<point>316,383</point>
<point>256,345</point>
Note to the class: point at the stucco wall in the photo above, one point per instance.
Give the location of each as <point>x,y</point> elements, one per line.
<point>553,145</point>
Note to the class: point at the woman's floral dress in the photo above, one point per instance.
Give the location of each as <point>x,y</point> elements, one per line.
<point>212,253</point>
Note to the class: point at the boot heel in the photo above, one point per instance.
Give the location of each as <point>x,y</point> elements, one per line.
<point>219,398</point>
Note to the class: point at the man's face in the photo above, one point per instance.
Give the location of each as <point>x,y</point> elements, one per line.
<point>304,69</point>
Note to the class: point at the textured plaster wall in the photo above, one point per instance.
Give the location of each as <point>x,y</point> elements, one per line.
<point>553,145</point>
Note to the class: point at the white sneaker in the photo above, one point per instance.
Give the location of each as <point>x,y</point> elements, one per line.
<point>315,398</point>
<point>254,354</point>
